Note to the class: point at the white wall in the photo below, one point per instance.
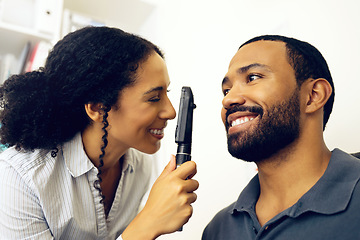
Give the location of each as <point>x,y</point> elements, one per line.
<point>200,37</point>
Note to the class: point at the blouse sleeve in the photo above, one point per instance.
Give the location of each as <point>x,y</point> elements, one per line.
<point>21,215</point>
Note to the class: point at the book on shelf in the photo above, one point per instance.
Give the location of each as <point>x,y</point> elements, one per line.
<point>30,59</point>
<point>37,56</point>
<point>8,66</point>
<point>23,58</point>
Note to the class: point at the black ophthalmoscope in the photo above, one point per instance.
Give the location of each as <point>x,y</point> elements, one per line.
<point>183,133</point>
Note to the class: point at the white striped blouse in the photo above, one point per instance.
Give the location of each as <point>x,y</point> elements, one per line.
<point>42,197</point>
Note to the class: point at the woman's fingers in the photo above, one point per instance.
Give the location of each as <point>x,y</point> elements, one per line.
<point>191,185</point>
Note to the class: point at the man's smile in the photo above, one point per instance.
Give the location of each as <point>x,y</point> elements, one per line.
<point>241,121</point>
<point>238,120</point>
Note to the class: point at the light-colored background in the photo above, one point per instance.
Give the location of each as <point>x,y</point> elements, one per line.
<point>200,37</point>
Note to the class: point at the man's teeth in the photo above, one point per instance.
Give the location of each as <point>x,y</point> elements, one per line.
<point>241,121</point>
<point>157,131</point>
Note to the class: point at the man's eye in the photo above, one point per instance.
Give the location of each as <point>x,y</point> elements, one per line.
<point>253,77</point>
<point>226,91</point>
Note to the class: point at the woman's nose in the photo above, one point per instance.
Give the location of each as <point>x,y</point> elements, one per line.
<point>169,111</point>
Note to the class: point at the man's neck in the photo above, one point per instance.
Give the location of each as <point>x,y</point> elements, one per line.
<point>287,176</point>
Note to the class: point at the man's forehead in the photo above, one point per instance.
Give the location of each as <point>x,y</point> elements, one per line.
<point>262,51</point>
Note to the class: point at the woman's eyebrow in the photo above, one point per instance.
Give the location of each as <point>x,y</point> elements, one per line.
<point>154,90</point>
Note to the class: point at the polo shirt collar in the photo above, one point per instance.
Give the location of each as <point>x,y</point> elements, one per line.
<point>248,197</point>
<point>331,194</point>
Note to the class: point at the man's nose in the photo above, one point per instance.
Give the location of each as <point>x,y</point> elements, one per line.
<point>232,98</point>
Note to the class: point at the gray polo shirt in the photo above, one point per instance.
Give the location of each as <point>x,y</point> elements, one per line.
<point>329,210</point>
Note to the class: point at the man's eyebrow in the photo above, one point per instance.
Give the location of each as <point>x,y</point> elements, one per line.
<point>253,65</point>
<point>225,81</point>
<point>245,69</point>
<point>154,90</point>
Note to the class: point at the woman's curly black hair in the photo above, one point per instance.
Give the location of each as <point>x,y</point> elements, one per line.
<point>45,108</point>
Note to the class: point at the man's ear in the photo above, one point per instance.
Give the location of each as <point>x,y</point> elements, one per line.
<point>319,91</point>
<point>94,111</point>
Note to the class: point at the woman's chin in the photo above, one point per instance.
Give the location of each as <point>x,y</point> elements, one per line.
<point>150,150</point>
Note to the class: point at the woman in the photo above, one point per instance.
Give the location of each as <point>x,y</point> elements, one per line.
<point>76,129</point>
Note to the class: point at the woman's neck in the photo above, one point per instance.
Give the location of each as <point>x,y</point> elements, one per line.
<point>93,143</point>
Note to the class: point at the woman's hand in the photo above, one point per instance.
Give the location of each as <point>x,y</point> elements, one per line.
<point>169,204</point>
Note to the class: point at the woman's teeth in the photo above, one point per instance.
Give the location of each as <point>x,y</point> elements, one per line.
<point>241,121</point>
<point>157,131</point>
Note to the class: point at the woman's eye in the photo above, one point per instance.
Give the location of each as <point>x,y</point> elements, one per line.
<point>154,99</point>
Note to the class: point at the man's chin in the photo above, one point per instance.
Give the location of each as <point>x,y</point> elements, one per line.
<point>238,151</point>
<point>245,156</point>
<point>250,156</point>
<point>246,150</point>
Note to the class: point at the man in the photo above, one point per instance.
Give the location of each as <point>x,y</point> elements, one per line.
<point>278,96</point>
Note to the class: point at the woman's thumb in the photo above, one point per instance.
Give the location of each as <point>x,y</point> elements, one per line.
<point>171,166</point>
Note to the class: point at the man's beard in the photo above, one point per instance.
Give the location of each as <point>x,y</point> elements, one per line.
<point>274,131</point>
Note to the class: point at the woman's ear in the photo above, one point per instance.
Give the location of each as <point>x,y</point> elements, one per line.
<point>94,111</point>
<point>319,91</point>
